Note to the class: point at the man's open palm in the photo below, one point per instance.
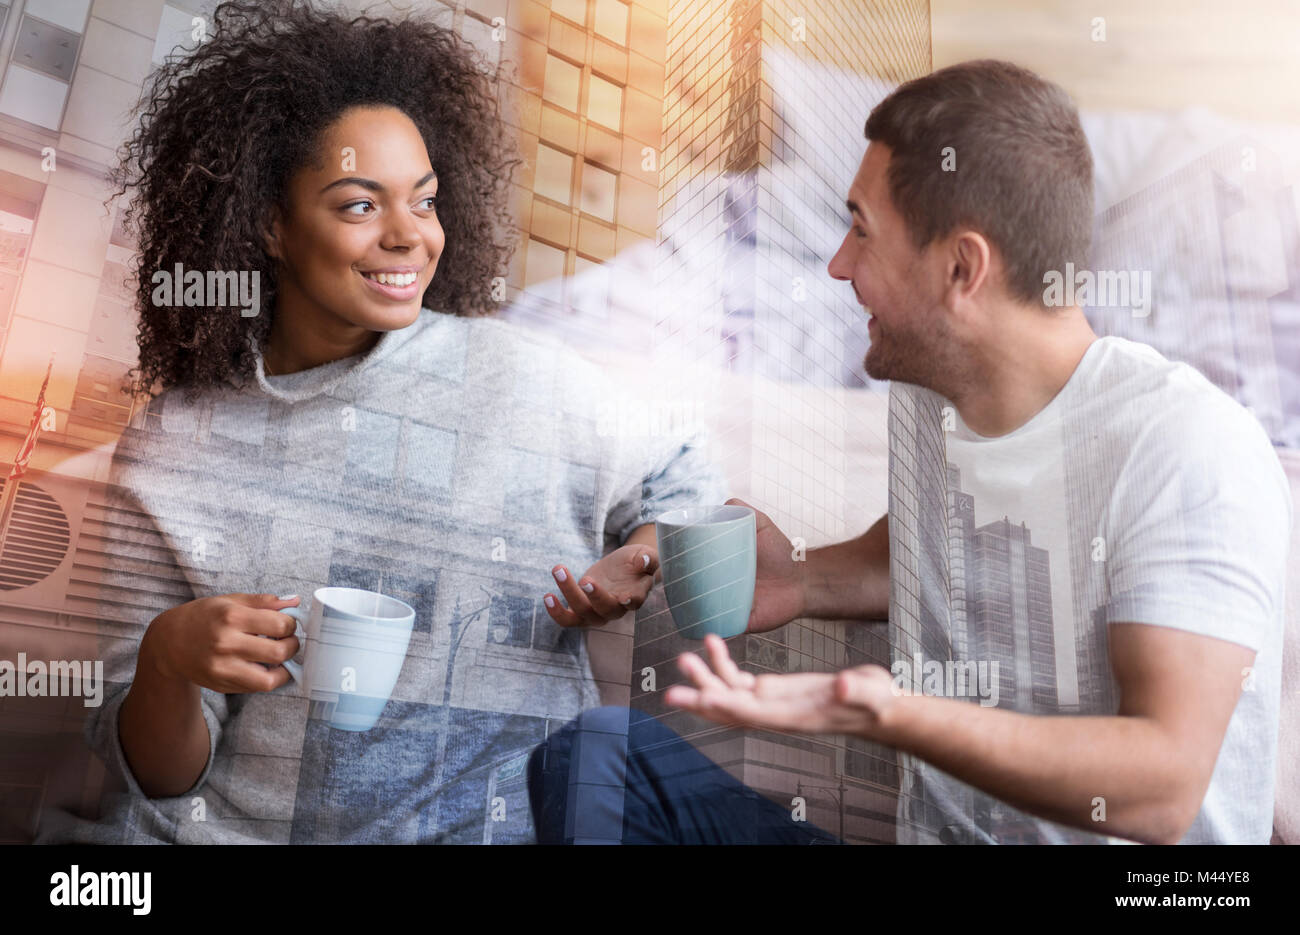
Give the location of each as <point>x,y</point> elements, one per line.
<point>848,702</point>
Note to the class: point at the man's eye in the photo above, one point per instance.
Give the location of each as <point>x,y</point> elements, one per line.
<point>357,204</point>
<point>859,232</point>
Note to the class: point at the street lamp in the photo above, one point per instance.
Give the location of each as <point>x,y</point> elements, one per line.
<point>459,626</point>
<point>837,791</point>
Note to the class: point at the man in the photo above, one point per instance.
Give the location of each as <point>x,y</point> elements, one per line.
<point>1083,561</point>
<point>1107,534</point>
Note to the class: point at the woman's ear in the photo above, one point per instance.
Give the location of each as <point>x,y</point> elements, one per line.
<point>271,236</point>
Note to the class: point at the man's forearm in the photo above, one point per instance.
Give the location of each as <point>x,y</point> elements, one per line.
<point>1065,769</point>
<point>850,580</point>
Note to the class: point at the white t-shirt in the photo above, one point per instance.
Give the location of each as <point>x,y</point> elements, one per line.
<point>1141,493</point>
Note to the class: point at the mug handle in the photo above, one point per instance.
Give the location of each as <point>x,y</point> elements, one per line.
<point>297,613</point>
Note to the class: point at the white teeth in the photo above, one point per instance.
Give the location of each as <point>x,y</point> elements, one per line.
<point>392,279</point>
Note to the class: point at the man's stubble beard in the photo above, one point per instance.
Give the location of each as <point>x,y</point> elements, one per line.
<point>931,361</point>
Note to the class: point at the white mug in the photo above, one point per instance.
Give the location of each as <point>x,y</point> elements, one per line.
<point>355,644</point>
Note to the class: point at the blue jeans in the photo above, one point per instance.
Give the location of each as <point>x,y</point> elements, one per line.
<point>618,776</point>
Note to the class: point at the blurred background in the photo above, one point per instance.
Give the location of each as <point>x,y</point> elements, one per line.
<point>686,167</point>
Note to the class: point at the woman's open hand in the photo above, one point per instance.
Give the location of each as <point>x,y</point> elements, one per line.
<point>617,583</point>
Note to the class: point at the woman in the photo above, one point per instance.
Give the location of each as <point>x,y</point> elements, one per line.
<point>357,426</point>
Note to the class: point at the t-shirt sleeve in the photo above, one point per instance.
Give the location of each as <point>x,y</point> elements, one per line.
<point>134,550</point>
<point>1198,529</point>
<point>673,474</point>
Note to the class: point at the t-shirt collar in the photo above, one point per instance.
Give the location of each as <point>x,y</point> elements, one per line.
<point>1049,413</point>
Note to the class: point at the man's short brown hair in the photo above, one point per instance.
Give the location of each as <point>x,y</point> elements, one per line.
<point>1023,169</point>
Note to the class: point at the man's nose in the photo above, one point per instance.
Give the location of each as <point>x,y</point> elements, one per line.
<point>839,267</point>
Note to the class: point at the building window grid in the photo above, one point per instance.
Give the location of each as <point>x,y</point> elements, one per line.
<point>566,9</point>
<point>613,186</point>
<point>564,154</point>
<point>572,259</point>
<point>621,91</point>
<point>610,8</point>
<point>551,92</point>
<point>13,12</point>
<point>689,25</point>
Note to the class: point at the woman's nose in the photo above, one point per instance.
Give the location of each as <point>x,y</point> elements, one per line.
<point>401,232</point>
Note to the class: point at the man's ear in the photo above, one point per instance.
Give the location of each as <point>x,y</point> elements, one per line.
<point>968,264</point>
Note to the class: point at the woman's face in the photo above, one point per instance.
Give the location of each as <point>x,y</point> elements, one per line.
<point>365,214</point>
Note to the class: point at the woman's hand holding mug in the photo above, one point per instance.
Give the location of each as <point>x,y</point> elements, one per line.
<point>233,643</point>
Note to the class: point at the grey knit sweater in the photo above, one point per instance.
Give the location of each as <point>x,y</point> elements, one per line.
<point>451,466</point>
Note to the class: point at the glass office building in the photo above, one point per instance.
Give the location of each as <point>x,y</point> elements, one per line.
<point>764,108</point>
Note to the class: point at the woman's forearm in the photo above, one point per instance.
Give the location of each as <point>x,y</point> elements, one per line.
<point>643,535</point>
<point>646,535</point>
<point>162,731</point>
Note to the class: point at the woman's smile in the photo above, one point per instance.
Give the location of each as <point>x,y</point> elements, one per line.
<point>398,283</point>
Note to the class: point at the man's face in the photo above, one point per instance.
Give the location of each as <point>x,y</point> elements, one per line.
<point>899,286</point>
<point>352,222</point>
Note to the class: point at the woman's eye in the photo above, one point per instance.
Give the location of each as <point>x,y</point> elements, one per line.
<point>429,201</point>
<point>357,204</point>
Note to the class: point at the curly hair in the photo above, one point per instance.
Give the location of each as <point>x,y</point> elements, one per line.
<point>223,127</point>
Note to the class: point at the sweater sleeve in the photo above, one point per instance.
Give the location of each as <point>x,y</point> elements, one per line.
<point>101,734</point>
<point>674,473</point>
<point>140,568</point>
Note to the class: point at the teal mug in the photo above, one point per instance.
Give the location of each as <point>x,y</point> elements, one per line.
<point>708,556</point>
